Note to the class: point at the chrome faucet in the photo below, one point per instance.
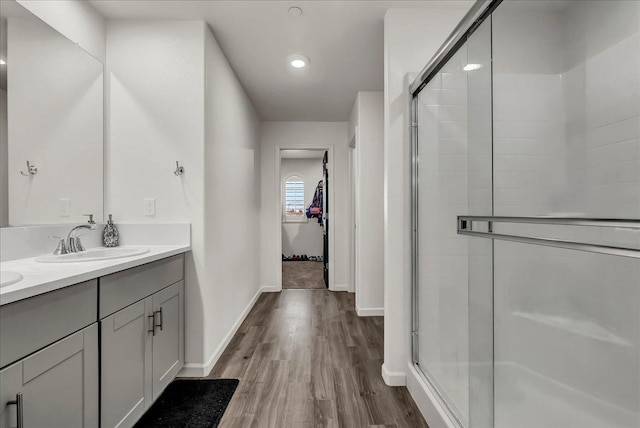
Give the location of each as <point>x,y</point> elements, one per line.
<point>73,242</point>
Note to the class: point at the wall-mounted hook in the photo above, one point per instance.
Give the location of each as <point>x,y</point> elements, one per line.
<point>179,169</point>
<point>31,170</point>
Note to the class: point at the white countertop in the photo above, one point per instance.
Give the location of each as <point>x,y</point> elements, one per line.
<point>41,278</point>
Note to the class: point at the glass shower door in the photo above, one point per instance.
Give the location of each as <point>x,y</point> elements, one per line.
<point>452,175</point>
<point>530,315</point>
<point>566,89</point>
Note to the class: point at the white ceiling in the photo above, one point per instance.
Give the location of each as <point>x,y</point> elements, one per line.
<point>342,39</point>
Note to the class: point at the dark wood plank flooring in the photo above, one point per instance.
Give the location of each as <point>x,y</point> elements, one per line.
<point>305,359</point>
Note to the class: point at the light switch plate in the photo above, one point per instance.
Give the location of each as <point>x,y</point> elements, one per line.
<point>64,207</point>
<point>150,207</point>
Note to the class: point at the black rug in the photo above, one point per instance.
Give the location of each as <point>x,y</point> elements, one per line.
<point>190,403</point>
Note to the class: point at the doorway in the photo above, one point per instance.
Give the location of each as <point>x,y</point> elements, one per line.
<point>304,230</point>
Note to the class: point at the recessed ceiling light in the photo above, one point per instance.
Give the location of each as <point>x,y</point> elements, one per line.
<point>298,61</point>
<point>295,11</point>
<point>471,67</point>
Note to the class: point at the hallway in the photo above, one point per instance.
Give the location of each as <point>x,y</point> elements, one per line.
<point>304,358</point>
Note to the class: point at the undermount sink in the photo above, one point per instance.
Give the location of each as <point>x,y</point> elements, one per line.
<point>93,255</point>
<point>9,277</point>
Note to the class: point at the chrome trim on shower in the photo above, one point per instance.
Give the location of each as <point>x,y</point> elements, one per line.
<point>474,17</point>
<point>465,227</point>
<point>564,221</point>
<point>414,231</point>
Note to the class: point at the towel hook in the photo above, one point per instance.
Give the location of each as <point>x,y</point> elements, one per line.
<point>31,170</point>
<point>179,169</point>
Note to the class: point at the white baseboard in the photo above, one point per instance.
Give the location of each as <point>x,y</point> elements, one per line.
<point>393,378</point>
<point>202,370</point>
<point>428,404</point>
<point>369,312</point>
<point>270,289</point>
<point>340,287</point>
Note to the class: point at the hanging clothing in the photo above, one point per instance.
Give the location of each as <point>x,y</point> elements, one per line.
<point>315,209</point>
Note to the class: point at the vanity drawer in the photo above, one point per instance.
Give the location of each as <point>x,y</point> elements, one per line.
<point>32,324</point>
<point>124,288</point>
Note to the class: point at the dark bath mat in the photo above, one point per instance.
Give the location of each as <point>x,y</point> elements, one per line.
<point>190,403</point>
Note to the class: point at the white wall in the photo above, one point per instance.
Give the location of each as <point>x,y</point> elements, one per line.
<point>175,98</point>
<point>156,117</point>
<point>367,116</point>
<point>4,172</point>
<point>232,205</point>
<point>302,237</point>
<point>304,135</point>
<point>76,20</point>
<point>65,100</point>
<point>411,38</point>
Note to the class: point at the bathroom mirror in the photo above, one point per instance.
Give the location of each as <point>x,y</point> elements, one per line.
<point>51,124</point>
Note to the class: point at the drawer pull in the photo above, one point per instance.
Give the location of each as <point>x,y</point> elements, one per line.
<point>152,318</point>
<point>159,312</point>
<point>19,409</point>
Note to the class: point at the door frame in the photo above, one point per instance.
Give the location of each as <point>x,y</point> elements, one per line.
<point>353,286</point>
<point>327,148</point>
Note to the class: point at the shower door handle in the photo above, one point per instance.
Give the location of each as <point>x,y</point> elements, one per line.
<point>466,227</point>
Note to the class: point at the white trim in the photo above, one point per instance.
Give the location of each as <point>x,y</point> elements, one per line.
<point>295,219</point>
<point>353,212</point>
<point>393,378</point>
<point>202,370</point>
<point>369,312</point>
<point>357,263</point>
<point>340,287</point>
<point>430,407</point>
<point>332,241</point>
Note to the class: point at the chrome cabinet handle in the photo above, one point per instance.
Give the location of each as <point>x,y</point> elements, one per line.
<point>161,319</point>
<point>19,409</point>
<point>152,318</point>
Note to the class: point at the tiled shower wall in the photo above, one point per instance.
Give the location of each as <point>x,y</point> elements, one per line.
<point>443,195</point>
<point>566,143</point>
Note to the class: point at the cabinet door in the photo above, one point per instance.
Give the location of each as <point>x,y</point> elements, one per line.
<point>126,364</point>
<point>168,342</point>
<point>59,385</point>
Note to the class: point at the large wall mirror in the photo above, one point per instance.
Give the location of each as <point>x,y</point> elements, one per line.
<point>51,116</point>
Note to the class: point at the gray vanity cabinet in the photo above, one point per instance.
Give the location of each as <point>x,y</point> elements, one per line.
<point>57,387</point>
<point>55,374</point>
<point>126,369</point>
<point>142,344</point>
<point>168,342</point>
<point>49,359</point>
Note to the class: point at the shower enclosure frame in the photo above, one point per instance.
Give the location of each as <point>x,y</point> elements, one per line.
<point>479,12</point>
<point>476,15</point>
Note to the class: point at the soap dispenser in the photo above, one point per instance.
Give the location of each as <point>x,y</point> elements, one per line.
<point>110,234</point>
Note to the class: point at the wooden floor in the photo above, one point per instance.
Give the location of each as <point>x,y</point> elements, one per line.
<point>305,359</point>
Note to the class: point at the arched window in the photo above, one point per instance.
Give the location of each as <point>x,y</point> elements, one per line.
<point>294,198</point>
